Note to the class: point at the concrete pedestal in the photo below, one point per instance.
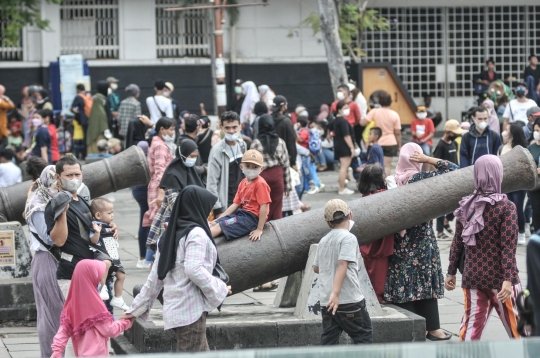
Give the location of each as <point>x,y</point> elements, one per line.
<point>14,245</point>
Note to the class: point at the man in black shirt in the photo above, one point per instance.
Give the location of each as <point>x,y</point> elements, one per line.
<point>447,150</point>
<point>68,231</point>
<point>532,70</point>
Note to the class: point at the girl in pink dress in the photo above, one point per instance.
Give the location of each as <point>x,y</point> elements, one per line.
<point>85,318</point>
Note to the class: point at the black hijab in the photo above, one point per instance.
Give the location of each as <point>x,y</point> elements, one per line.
<point>136,132</point>
<point>103,87</point>
<point>267,134</point>
<point>184,218</point>
<point>177,175</point>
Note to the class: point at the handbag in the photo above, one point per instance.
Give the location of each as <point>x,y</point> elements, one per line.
<point>220,273</point>
<point>461,263</point>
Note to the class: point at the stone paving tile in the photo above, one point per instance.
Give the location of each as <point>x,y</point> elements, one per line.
<point>21,340</point>
<point>22,347</point>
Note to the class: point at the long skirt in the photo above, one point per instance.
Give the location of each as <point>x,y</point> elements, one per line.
<point>49,299</point>
<point>274,179</point>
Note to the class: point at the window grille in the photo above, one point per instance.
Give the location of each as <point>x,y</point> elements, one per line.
<point>90,28</point>
<point>9,52</point>
<point>461,37</point>
<point>182,33</point>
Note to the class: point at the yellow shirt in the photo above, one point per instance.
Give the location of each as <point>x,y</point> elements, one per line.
<point>78,133</point>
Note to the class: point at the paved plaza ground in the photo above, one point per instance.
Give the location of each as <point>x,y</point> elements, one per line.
<point>23,342</point>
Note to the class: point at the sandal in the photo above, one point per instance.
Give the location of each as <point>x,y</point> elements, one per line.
<point>262,288</point>
<point>448,228</point>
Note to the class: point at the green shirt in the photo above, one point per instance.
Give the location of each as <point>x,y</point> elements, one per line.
<point>535,151</point>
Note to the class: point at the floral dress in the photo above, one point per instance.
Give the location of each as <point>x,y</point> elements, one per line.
<point>414,270</point>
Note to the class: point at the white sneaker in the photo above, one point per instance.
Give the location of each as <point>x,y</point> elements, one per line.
<point>321,187</point>
<point>104,293</point>
<point>313,190</point>
<point>521,239</point>
<point>527,230</point>
<point>118,302</point>
<point>346,191</point>
<point>142,264</point>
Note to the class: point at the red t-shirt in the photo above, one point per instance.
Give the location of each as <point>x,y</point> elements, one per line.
<point>54,142</point>
<point>251,196</point>
<point>304,136</point>
<point>426,126</point>
<point>355,116</point>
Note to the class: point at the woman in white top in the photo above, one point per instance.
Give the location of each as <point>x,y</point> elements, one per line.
<point>47,293</point>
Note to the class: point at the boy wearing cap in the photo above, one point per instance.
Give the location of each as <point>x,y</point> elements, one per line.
<point>338,262</point>
<point>249,211</point>
<point>447,150</point>
<point>423,130</point>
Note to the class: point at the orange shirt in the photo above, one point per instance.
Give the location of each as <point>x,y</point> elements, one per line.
<point>388,120</point>
<point>251,196</point>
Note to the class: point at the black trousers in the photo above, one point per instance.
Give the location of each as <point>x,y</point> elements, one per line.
<point>428,309</point>
<point>534,198</point>
<point>353,318</point>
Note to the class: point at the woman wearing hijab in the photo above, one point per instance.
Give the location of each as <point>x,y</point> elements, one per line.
<point>85,318</point>
<point>415,279</point>
<point>251,97</point>
<point>486,241</point>
<point>47,293</point>
<point>493,119</point>
<point>267,95</point>
<point>100,118</point>
<point>276,164</point>
<point>187,258</point>
<point>324,113</point>
<point>179,174</point>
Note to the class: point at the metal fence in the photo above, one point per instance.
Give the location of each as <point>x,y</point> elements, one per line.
<point>440,49</point>
<point>90,27</point>
<point>182,33</point>
<point>9,52</point>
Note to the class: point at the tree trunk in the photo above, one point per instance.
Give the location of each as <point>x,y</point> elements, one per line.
<point>332,43</point>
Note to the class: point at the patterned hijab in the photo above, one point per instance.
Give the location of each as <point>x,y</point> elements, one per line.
<point>42,192</point>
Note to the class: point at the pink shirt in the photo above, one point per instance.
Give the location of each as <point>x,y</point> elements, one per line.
<point>388,120</point>
<point>93,343</point>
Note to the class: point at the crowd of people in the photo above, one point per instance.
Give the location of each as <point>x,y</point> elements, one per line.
<point>254,166</point>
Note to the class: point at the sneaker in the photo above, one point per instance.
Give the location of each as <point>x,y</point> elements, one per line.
<point>321,187</point>
<point>527,230</point>
<point>118,302</point>
<point>346,191</point>
<point>313,190</point>
<point>142,264</point>
<point>104,293</point>
<point>521,239</point>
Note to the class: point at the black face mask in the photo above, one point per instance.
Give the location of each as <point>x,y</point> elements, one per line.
<point>452,138</point>
<point>520,94</point>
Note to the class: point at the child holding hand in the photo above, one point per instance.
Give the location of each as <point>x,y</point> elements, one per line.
<point>85,318</point>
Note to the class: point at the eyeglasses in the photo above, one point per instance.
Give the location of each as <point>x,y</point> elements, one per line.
<point>521,89</point>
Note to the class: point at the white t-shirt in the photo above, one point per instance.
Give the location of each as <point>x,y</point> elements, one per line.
<point>10,174</point>
<point>164,104</point>
<point>519,110</point>
<point>337,245</point>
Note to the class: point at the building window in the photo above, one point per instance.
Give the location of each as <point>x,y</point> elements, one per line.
<point>182,33</point>
<point>90,28</point>
<point>9,52</point>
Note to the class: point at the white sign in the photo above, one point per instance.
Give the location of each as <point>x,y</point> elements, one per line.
<point>71,73</point>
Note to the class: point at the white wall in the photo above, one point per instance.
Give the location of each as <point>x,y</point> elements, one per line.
<point>137,29</point>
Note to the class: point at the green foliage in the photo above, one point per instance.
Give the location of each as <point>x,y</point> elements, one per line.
<point>354,20</point>
<point>18,14</point>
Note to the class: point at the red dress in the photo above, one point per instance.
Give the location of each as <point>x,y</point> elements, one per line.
<point>375,255</point>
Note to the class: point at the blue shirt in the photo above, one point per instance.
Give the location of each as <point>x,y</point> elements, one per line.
<point>376,155</point>
<point>41,139</point>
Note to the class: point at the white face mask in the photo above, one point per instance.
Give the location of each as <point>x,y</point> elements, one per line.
<point>340,96</point>
<point>238,90</point>
<point>37,122</point>
<point>536,136</point>
<point>168,138</point>
<point>346,112</point>
<point>505,135</point>
<point>251,173</point>
<point>189,162</point>
<point>421,115</point>
<point>321,132</point>
<point>71,185</point>
<point>231,137</point>
<point>166,94</point>
<point>482,125</point>
<point>114,86</point>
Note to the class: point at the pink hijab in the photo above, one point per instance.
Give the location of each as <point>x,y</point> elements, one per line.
<point>84,309</point>
<point>488,176</point>
<point>324,113</point>
<point>493,119</point>
<point>405,169</point>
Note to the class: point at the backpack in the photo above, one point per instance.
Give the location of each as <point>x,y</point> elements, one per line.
<point>88,102</point>
<point>314,142</point>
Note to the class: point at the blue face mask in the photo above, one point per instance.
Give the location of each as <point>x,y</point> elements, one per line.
<point>189,162</point>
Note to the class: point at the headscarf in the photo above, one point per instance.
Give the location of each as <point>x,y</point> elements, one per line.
<point>98,121</point>
<point>84,309</point>
<point>42,191</point>
<point>183,219</point>
<point>252,97</point>
<point>260,108</point>
<point>324,113</point>
<point>405,169</point>
<point>488,176</point>
<point>493,119</point>
<point>136,132</point>
<point>177,175</point>
<point>263,89</point>
<point>267,134</point>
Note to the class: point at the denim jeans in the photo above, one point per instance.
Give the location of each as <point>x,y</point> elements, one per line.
<point>325,157</point>
<point>309,172</point>
<point>518,198</point>
<point>426,148</point>
<point>353,318</point>
<point>140,194</point>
